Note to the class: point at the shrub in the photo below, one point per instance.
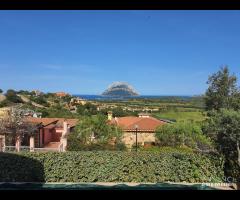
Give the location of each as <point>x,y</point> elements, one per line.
<point>167,149</point>
<point>97,127</point>
<point>183,134</point>
<point>4,103</point>
<point>12,97</point>
<point>114,166</point>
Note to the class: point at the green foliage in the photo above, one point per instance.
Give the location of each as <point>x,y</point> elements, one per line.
<point>40,100</point>
<point>113,167</point>
<point>11,96</point>
<point>182,134</point>
<point>17,167</point>
<point>183,115</point>
<point>96,127</point>
<point>224,128</point>
<point>1,91</point>
<point>24,92</point>
<point>87,109</point>
<point>66,99</point>
<point>167,149</point>
<point>57,111</point>
<point>222,91</point>
<point>4,103</point>
<point>76,145</point>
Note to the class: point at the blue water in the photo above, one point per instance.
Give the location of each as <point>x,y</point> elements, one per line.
<point>100,97</point>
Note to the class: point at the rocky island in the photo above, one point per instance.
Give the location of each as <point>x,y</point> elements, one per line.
<point>120,89</point>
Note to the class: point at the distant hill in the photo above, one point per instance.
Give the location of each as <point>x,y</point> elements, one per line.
<point>120,89</point>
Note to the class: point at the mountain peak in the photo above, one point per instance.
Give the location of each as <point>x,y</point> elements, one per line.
<point>120,89</point>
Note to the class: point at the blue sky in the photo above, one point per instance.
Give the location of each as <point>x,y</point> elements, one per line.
<point>82,52</point>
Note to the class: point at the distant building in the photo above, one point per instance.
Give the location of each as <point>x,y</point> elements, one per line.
<point>144,125</point>
<point>77,101</point>
<point>37,92</point>
<point>61,94</point>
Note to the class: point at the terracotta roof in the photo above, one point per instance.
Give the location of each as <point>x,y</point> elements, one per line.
<point>61,94</point>
<point>48,122</point>
<point>43,121</point>
<point>144,124</point>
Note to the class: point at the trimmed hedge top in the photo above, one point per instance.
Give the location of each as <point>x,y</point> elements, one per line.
<point>104,166</point>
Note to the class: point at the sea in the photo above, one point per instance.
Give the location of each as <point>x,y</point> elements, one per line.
<point>110,98</point>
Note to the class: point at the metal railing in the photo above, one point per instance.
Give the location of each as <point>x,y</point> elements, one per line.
<point>9,149</point>
<point>13,148</point>
<point>25,148</point>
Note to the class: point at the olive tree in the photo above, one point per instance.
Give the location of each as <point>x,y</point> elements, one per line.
<point>222,91</point>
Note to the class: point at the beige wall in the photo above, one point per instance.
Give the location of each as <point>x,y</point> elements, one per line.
<point>129,138</point>
<point>4,111</point>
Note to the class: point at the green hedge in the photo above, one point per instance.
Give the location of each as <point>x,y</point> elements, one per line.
<point>105,166</point>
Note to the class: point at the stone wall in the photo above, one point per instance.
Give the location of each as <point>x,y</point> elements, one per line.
<point>129,138</point>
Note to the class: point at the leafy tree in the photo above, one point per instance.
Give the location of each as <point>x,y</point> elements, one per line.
<point>224,128</point>
<point>12,97</point>
<point>40,100</point>
<point>4,103</point>
<point>222,91</point>
<point>24,92</point>
<point>182,134</point>
<point>1,91</point>
<point>87,109</point>
<point>94,131</point>
<point>15,126</point>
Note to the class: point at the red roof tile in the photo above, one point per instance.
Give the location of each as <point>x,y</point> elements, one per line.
<point>143,123</point>
<point>52,121</point>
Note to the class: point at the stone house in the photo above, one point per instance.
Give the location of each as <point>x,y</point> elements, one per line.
<point>144,126</point>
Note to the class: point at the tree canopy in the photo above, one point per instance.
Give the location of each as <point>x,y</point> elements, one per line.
<point>222,91</point>
<point>11,96</point>
<point>94,130</point>
<point>224,128</point>
<point>14,125</point>
<point>182,134</point>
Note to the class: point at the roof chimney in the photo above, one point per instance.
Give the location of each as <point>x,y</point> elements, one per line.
<point>144,115</point>
<point>109,115</point>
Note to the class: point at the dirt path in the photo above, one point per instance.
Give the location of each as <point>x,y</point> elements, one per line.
<point>26,100</point>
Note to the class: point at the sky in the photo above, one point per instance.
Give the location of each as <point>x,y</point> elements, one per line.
<point>83,52</point>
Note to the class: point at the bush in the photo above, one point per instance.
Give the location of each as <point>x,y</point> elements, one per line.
<point>4,103</point>
<point>12,97</point>
<point>183,134</point>
<point>167,149</point>
<point>20,168</point>
<point>97,126</point>
<point>114,167</point>
<point>76,146</point>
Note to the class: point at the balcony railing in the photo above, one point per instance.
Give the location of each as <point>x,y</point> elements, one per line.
<point>27,149</point>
